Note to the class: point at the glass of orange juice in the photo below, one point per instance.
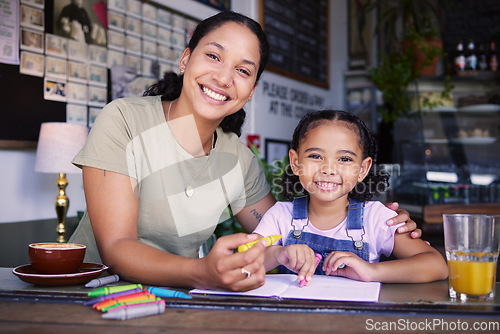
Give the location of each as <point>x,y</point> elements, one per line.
<point>472,246</point>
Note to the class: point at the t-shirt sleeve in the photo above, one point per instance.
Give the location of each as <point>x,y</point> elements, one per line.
<point>106,146</point>
<point>384,234</point>
<point>256,186</point>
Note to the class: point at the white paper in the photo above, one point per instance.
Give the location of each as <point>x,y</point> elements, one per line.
<point>9,32</point>
<point>332,288</point>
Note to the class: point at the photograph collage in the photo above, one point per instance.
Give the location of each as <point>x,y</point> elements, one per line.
<point>88,43</point>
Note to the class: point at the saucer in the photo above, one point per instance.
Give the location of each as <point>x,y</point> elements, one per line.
<point>86,272</point>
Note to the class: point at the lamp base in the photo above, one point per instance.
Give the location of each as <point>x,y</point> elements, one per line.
<point>62,205</point>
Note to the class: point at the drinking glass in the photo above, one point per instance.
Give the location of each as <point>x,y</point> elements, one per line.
<point>472,245</point>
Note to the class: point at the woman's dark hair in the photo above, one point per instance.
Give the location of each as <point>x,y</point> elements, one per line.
<point>374,183</point>
<point>171,85</point>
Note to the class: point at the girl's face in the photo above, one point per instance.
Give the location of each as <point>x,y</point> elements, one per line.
<point>330,161</point>
<point>220,74</point>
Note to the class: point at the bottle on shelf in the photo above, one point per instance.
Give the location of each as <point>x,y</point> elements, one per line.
<point>492,58</point>
<point>482,63</point>
<point>460,58</point>
<point>471,57</point>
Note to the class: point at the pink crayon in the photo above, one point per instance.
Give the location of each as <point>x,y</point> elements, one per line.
<point>304,281</point>
<point>119,307</point>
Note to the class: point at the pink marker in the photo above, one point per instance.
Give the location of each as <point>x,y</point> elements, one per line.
<point>318,259</point>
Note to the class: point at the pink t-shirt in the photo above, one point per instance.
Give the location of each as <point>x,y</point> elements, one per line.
<point>378,234</point>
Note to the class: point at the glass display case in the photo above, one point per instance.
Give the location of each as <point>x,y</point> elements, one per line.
<point>450,154</point>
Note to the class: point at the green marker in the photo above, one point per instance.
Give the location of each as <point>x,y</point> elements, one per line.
<point>112,289</point>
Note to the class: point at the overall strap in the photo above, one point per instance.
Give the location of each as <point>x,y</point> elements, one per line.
<point>300,205</point>
<point>355,212</point>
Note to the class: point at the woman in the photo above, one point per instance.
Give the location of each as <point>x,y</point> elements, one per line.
<point>158,171</point>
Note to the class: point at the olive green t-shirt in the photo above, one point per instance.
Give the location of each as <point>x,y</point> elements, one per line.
<point>131,136</point>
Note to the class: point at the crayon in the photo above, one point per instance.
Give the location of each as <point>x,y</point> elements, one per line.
<point>133,304</point>
<point>97,282</point>
<point>112,289</point>
<point>111,295</point>
<point>135,312</point>
<point>318,259</point>
<point>168,293</point>
<point>270,240</point>
<point>130,303</point>
<point>134,296</point>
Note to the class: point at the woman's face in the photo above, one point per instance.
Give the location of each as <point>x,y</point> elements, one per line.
<point>220,73</point>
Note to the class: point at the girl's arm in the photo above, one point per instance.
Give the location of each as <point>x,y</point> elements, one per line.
<point>417,262</point>
<point>113,208</point>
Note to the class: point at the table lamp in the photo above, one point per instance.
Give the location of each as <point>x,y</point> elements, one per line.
<point>58,144</point>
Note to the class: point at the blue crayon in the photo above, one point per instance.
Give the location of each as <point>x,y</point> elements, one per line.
<point>135,312</point>
<point>168,293</point>
<point>111,295</point>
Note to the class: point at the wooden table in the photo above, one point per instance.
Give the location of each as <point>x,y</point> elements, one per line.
<point>414,308</point>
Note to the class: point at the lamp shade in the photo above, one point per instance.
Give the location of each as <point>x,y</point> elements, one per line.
<point>58,144</point>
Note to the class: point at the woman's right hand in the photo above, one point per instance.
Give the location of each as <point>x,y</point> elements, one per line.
<point>222,267</point>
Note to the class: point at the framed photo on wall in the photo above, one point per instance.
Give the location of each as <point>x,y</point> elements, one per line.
<point>77,71</point>
<point>98,75</point>
<point>359,34</point>
<point>98,55</point>
<point>76,114</point>
<point>56,67</point>
<point>56,45</point>
<point>54,90</point>
<point>34,3</point>
<point>83,22</point>
<point>32,40</point>
<point>32,64</point>
<point>32,18</point>
<point>76,93</point>
<point>276,150</point>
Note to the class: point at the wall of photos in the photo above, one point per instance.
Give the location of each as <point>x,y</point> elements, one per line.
<point>85,64</point>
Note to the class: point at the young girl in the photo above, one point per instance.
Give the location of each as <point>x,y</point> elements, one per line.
<point>331,164</point>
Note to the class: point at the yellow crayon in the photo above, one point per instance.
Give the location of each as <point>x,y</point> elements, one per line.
<point>270,240</point>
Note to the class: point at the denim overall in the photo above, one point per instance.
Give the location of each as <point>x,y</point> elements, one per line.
<point>325,245</point>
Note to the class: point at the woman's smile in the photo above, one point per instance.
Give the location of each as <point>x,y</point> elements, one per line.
<point>214,95</point>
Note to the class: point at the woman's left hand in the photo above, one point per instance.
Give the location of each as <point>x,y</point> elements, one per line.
<point>403,217</point>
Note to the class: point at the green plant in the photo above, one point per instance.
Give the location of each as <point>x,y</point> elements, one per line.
<point>409,28</point>
<point>228,223</point>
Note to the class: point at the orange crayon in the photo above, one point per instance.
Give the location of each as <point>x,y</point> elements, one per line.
<point>133,296</point>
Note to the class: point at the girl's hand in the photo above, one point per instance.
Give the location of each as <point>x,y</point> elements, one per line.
<point>222,267</point>
<point>348,265</point>
<point>298,258</point>
<point>403,217</point>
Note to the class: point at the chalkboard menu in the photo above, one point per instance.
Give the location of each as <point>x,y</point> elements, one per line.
<point>23,108</point>
<point>298,36</point>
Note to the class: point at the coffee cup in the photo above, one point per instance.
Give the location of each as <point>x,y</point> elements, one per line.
<point>55,257</point>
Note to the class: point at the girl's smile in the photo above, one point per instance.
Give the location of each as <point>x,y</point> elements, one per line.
<point>330,161</point>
